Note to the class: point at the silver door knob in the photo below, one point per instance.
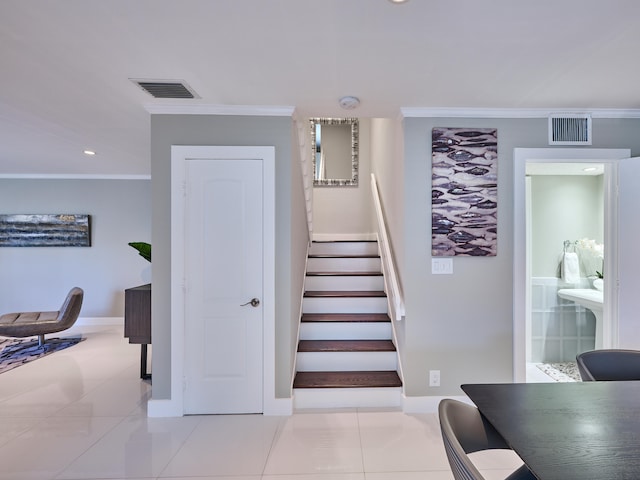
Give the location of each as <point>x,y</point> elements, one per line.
<point>254,302</point>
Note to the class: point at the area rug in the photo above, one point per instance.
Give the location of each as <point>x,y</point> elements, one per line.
<point>561,372</point>
<point>16,352</point>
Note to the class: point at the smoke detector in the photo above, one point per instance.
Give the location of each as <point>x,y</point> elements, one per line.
<point>349,102</point>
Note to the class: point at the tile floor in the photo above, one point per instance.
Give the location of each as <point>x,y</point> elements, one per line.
<point>80,414</point>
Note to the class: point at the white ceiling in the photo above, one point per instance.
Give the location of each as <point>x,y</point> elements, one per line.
<point>66,64</point>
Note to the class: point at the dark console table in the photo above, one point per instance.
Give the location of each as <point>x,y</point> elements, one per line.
<point>137,321</point>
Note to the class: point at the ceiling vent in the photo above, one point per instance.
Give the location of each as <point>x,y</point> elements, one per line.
<point>166,88</point>
<point>570,129</point>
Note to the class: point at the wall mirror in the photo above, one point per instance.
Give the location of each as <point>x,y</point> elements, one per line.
<point>334,144</point>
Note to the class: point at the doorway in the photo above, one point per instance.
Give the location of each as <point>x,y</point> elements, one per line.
<point>522,269</point>
<point>222,293</point>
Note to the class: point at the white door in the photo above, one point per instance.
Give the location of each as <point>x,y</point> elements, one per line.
<point>223,322</point>
<point>628,261</point>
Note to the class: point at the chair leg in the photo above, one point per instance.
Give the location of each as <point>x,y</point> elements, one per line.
<point>40,340</point>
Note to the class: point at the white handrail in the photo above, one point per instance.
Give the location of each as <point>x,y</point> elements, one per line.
<point>392,285</point>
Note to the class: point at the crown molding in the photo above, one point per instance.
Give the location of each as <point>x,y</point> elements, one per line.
<point>416,112</point>
<point>70,176</point>
<point>207,109</point>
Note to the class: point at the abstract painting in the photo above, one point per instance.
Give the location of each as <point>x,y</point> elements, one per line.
<point>44,230</point>
<point>464,188</point>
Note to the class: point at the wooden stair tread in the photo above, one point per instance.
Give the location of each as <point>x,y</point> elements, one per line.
<point>344,274</point>
<point>346,346</point>
<point>345,317</point>
<point>344,293</point>
<point>361,379</point>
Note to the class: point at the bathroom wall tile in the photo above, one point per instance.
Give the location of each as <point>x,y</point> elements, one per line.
<point>569,349</point>
<point>552,325</point>
<point>552,351</point>
<point>570,327</point>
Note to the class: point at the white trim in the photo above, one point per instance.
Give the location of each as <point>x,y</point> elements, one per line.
<point>89,321</point>
<point>428,404</point>
<point>608,156</point>
<point>417,112</point>
<point>73,176</point>
<point>179,154</point>
<point>208,109</point>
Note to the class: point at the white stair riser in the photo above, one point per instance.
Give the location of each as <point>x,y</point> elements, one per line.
<point>340,264</point>
<point>343,248</point>
<point>332,282</point>
<point>345,331</point>
<point>344,305</point>
<point>345,361</point>
<point>347,397</point>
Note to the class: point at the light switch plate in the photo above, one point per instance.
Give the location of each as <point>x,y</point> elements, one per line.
<point>442,266</point>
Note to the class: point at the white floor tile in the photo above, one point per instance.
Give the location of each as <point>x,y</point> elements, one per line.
<point>317,443</point>
<point>396,442</point>
<point>49,446</point>
<point>81,414</point>
<point>137,447</point>
<point>225,445</point>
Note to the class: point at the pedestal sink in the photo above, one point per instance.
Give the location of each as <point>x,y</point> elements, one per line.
<point>591,299</point>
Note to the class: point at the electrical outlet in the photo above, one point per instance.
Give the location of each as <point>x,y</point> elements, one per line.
<point>434,378</point>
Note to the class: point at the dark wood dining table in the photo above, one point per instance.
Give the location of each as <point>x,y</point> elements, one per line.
<point>582,430</point>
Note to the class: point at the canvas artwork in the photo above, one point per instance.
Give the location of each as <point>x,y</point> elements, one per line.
<point>464,188</point>
<point>44,230</point>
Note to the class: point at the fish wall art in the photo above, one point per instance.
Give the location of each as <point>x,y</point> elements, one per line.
<point>45,230</point>
<point>464,192</point>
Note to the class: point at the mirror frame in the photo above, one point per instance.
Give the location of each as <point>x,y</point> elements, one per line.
<point>344,182</point>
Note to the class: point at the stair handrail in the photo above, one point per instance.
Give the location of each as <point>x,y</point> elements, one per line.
<point>392,283</point>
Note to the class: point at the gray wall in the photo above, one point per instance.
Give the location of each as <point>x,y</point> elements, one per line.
<point>291,239</point>
<point>34,278</point>
<point>344,211</point>
<point>563,207</point>
<point>388,167</point>
<point>461,324</point>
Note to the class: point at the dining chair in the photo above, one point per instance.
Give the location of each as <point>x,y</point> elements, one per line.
<point>464,431</point>
<point>614,364</point>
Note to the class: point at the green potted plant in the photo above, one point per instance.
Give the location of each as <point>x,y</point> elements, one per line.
<point>143,248</point>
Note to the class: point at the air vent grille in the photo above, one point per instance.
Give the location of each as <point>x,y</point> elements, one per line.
<point>570,129</point>
<point>166,88</point>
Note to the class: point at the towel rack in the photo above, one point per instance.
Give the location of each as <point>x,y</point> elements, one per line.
<point>569,243</point>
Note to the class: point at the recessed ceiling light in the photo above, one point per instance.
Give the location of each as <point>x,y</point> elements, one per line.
<point>89,152</point>
<point>590,169</point>
<point>398,1</point>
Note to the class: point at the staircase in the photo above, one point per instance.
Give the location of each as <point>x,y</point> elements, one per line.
<point>346,356</point>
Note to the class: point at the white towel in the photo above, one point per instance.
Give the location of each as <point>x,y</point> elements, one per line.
<point>570,268</point>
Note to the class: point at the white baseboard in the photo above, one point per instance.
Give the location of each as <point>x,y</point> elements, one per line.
<point>163,408</point>
<point>100,321</point>
<point>279,406</point>
<point>345,237</point>
<point>428,404</point>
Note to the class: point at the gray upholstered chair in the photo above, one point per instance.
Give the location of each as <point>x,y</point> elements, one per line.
<point>464,431</point>
<point>614,364</point>
<point>30,324</point>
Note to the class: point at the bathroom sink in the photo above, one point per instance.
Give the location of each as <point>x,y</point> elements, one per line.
<point>591,299</point>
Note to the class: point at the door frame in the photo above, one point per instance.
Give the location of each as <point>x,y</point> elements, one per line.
<point>179,155</point>
<point>607,156</point>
